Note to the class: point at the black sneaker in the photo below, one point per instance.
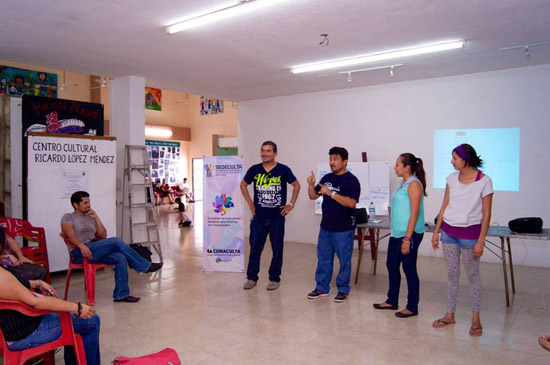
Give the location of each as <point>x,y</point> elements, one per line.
<point>341,297</point>
<point>154,267</point>
<point>316,294</point>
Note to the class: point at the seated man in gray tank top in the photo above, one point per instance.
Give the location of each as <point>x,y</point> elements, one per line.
<point>84,229</point>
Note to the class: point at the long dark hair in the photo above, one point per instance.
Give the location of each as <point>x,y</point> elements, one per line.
<point>3,240</point>
<point>469,155</point>
<point>417,168</point>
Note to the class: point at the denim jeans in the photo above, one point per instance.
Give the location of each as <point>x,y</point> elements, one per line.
<point>113,251</point>
<point>50,330</point>
<point>259,229</point>
<point>328,244</point>
<point>463,242</point>
<point>393,261</point>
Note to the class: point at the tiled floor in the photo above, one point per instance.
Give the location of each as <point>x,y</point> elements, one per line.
<point>209,319</point>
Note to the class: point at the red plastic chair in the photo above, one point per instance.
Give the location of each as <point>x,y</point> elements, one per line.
<point>47,350</point>
<point>89,273</point>
<point>22,228</point>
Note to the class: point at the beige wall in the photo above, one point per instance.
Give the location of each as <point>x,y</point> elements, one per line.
<point>204,126</point>
<point>80,92</point>
<point>174,112</point>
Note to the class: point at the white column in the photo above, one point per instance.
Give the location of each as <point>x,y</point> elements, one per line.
<point>127,103</point>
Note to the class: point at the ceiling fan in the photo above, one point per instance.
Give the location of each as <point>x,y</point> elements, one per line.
<point>186,101</point>
<point>102,85</point>
<point>64,86</point>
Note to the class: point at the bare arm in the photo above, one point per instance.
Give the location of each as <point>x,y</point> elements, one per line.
<point>415,196</point>
<point>14,247</point>
<point>435,236</point>
<point>68,231</point>
<point>12,289</point>
<point>311,187</point>
<point>295,191</point>
<point>486,204</point>
<point>340,199</point>
<point>100,231</point>
<point>246,196</point>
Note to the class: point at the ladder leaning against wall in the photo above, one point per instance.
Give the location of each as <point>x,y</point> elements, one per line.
<point>139,199</point>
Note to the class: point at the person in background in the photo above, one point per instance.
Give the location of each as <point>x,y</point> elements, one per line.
<point>24,332</point>
<point>185,190</point>
<point>407,231</point>
<point>166,191</point>
<point>340,190</point>
<point>13,258</point>
<point>464,221</point>
<point>185,219</point>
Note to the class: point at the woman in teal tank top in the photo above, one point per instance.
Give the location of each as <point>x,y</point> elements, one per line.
<point>407,231</point>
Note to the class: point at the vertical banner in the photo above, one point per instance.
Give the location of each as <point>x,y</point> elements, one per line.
<point>223,247</point>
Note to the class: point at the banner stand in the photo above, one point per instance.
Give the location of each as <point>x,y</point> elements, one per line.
<point>223,245</point>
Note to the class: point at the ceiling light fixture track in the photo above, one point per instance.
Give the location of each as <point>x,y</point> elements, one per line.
<point>382,56</point>
<point>241,7</point>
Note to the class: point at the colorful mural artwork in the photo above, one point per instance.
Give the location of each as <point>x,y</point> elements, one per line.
<point>153,98</point>
<point>18,81</point>
<point>42,114</point>
<point>211,106</point>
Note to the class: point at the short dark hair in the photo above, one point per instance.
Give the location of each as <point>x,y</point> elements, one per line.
<point>270,143</point>
<point>340,151</point>
<point>77,197</point>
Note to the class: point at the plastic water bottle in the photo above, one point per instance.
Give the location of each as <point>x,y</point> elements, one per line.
<point>372,212</point>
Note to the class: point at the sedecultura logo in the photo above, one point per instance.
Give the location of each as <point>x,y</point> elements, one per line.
<point>222,204</point>
<point>209,168</point>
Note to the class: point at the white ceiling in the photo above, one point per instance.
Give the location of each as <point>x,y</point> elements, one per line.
<point>249,57</point>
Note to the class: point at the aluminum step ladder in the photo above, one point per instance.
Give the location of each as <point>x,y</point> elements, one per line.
<point>139,199</point>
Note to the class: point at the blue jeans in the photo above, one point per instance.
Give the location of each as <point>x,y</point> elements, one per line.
<point>259,229</point>
<point>328,244</point>
<point>50,330</point>
<point>393,261</point>
<point>113,251</point>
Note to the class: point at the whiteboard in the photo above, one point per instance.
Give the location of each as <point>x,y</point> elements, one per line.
<point>59,165</point>
<point>374,178</point>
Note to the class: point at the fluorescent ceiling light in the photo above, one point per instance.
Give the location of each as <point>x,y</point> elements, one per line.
<point>436,47</point>
<point>241,7</point>
<point>158,132</point>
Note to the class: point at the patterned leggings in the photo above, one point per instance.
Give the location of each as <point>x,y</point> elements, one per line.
<point>451,252</point>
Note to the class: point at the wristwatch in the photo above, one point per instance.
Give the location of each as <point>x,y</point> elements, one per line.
<point>333,194</point>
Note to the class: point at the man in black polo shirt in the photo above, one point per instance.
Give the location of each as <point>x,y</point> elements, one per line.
<point>269,209</point>
<point>340,190</point>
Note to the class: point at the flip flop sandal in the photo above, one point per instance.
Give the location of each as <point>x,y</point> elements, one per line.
<point>544,342</point>
<point>476,332</point>
<point>440,323</point>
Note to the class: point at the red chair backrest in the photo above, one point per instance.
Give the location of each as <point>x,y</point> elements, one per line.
<point>68,337</point>
<point>16,227</point>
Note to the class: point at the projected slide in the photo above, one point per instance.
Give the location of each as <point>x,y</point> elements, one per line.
<point>498,148</point>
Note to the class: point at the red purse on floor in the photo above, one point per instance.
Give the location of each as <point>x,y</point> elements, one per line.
<point>168,356</point>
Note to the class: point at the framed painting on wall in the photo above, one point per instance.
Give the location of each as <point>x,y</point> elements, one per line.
<point>153,98</point>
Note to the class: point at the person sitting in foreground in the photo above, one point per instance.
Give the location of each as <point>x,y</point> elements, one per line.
<point>13,258</point>
<point>84,229</point>
<point>24,332</point>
